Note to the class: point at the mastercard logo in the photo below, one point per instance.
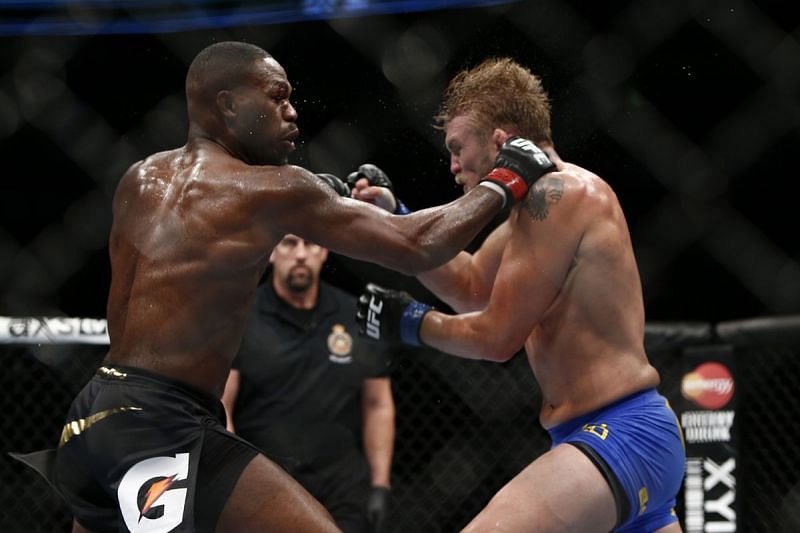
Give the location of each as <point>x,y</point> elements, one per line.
<point>710,385</point>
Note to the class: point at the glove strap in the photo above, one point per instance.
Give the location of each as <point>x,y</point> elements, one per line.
<point>509,180</point>
<point>496,187</point>
<point>411,321</point>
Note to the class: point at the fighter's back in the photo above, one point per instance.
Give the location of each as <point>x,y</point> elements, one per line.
<point>185,259</point>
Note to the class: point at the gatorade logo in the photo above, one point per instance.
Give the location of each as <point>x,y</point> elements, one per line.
<point>710,385</point>
<point>147,498</point>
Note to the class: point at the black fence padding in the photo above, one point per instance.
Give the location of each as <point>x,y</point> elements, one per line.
<point>769,331</point>
<point>676,335</point>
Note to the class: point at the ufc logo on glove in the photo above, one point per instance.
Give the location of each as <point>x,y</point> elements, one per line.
<point>373,320</point>
<point>528,146</point>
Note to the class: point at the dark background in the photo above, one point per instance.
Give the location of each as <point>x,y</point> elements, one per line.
<point>688,109</point>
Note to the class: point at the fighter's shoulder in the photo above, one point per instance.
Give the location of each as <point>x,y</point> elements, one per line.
<point>568,190</point>
<point>148,165</point>
<point>576,185</point>
<point>281,178</point>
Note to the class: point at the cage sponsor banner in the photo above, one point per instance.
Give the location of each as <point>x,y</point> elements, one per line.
<point>53,330</point>
<point>707,412</point>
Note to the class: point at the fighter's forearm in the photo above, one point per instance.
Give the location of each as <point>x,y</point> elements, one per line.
<point>438,234</point>
<point>452,283</point>
<point>468,335</point>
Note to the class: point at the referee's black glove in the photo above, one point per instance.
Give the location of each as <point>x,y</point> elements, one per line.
<point>378,507</point>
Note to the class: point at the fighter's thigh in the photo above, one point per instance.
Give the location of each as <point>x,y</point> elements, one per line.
<point>560,491</point>
<point>265,498</point>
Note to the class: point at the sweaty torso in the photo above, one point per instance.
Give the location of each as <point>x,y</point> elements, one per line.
<point>587,348</point>
<point>186,257</point>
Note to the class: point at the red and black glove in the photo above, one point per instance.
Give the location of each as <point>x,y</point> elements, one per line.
<point>517,167</point>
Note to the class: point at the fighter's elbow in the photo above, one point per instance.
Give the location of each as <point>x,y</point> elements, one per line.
<point>415,258</point>
<point>500,350</point>
<point>500,356</point>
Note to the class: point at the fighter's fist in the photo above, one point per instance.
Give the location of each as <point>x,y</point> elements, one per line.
<point>518,165</point>
<point>371,184</point>
<point>375,176</point>
<point>389,315</point>
<point>335,183</point>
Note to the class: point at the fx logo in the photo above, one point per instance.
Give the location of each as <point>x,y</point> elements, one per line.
<point>373,318</point>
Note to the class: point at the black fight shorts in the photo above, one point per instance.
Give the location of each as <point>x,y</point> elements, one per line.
<point>141,452</point>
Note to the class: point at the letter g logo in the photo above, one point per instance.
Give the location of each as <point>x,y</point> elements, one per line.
<point>145,488</point>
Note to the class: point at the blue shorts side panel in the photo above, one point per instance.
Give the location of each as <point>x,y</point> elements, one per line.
<point>639,438</point>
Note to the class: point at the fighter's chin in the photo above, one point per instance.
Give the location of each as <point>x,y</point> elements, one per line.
<point>466,183</point>
<point>288,147</point>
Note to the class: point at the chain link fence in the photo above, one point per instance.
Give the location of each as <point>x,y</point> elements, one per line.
<point>464,428</point>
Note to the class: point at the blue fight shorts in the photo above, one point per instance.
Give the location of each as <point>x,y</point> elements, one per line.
<point>637,445</point>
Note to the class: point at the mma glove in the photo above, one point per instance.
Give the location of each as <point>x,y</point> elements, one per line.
<point>376,178</point>
<point>390,316</point>
<point>341,188</point>
<point>517,167</point>
<point>378,507</point>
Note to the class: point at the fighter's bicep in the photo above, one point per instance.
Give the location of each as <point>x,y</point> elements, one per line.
<point>351,227</point>
<point>532,272</point>
<point>486,261</point>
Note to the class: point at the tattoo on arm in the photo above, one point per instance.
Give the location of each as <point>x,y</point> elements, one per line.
<point>545,192</point>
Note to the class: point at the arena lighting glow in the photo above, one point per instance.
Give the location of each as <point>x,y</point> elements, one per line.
<point>93,17</point>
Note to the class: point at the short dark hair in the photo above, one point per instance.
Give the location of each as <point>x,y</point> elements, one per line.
<point>222,65</point>
<point>499,93</point>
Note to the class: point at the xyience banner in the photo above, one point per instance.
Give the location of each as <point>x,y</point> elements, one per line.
<point>708,418</point>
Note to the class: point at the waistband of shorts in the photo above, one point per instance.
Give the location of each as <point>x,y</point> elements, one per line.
<point>561,431</point>
<point>115,372</point>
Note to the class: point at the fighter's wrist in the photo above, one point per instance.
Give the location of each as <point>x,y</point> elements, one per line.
<point>512,183</point>
<point>401,208</point>
<point>411,322</point>
<point>499,189</point>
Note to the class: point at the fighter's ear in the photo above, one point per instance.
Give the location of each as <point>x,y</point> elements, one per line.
<point>499,136</point>
<point>226,103</point>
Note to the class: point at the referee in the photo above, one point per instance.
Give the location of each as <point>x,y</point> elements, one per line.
<point>311,393</point>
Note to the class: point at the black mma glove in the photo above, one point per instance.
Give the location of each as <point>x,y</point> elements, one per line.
<point>377,178</point>
<point>335,183</point>
<point>378,507</point>
<point>517,167</point>
<point>389,315</point>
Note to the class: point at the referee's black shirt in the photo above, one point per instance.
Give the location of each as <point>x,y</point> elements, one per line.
<point>301,376</point>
